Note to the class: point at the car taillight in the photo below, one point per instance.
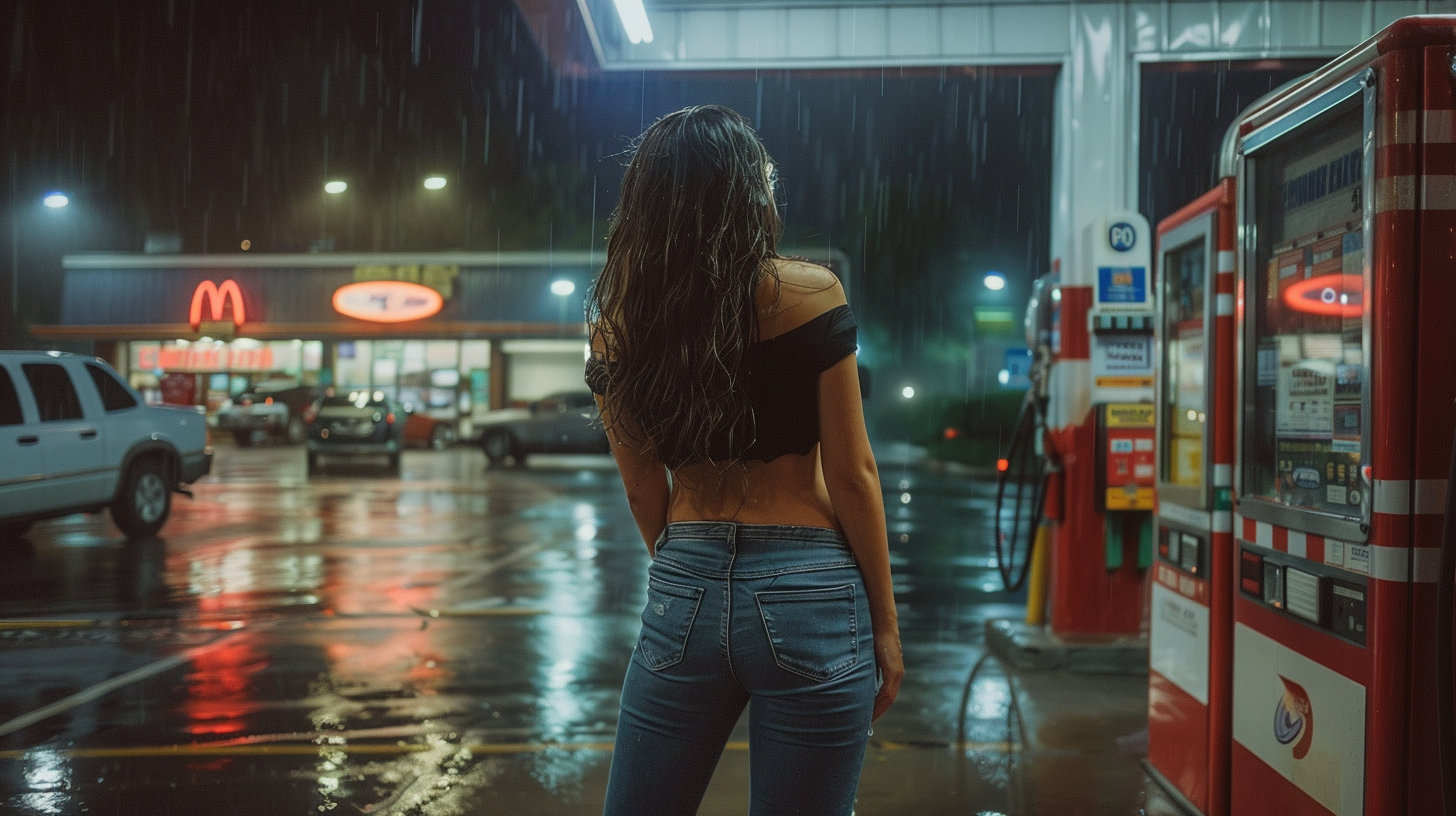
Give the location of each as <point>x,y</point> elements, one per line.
<point>268,401</point>
<point>310,414</point>
<point>389,418</point>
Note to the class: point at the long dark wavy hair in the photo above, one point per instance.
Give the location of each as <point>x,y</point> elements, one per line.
<point>694,235</point>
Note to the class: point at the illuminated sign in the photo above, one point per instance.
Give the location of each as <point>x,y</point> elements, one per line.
<point>387,301</point>
<point>1335,295</point>
<point>216,297</point>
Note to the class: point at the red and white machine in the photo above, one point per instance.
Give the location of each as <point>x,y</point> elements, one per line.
<point>1190,616</point>
<point>1346,215</point>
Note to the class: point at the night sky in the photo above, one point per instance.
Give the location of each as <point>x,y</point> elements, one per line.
<point>218,122</point>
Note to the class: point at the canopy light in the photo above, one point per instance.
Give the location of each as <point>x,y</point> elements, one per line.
<point>56,200</point>
<point>634,20</point>
<point>562,287</point>
<point>435,183</point>
<point>995,281</point>
<point>336,187</point>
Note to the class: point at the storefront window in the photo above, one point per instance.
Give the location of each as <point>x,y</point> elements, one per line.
<point>355,357</point>
<point>1304,374</point>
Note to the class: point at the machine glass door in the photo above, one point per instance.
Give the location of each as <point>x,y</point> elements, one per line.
<point>1304,393</point>
<point>1185,324</point>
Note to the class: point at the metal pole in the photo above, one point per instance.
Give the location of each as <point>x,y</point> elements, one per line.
<point>14,243</point>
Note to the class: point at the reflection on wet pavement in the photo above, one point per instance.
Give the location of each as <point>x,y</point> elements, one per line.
<point>453,641</point>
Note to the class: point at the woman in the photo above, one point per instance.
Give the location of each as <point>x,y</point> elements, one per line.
<point>733,369</point>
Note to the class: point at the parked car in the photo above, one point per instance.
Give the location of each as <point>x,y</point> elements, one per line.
<point>560,423</point>
<point>268,411</point>
<point>360,423</point>
<point>74,438</point>
<point>422,429</point>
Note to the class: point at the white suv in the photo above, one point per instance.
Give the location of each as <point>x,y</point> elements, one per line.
<point>74,438</point>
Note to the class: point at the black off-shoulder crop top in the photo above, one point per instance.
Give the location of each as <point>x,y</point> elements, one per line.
<point>783,383</point>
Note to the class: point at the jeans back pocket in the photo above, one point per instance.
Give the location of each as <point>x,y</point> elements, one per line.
<point>812,632</point>
<point>666,622</point>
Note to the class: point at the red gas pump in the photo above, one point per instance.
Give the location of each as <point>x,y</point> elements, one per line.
<point>1346,215</point>
<point>1190,621</point>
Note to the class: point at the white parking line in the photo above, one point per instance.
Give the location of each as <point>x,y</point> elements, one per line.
<point>104,688</point>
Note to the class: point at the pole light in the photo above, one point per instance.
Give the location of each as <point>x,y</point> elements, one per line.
<point>435,183</point>
<point>56,200</point>
<point>995,281</point>
<point>336,187</point>
<point>562,287</point>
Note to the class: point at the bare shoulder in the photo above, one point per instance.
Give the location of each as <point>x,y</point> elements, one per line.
<point>807,287</point>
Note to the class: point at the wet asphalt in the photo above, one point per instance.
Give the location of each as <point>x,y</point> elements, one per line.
<point>452,641</point>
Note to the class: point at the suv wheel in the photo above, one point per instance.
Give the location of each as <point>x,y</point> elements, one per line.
<point>243,439</point>
<point>313,463</point>
<point>394,463</point>
<point>297,430</point>
<point>145,499</point>
<point>497,447</point>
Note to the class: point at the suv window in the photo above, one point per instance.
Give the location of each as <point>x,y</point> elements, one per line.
<point>114,396</point>
<point>55,396</point>
<point>9,401</point>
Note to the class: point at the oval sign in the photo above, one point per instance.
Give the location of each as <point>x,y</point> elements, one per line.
<point>387,301</point>
<point>1333,295</point>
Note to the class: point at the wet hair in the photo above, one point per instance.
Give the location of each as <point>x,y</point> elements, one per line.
<point>674,310</point>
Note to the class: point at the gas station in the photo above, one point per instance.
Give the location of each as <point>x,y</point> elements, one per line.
<point>1246,410</point>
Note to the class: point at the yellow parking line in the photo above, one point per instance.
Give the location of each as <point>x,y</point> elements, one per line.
<point>46,624</point>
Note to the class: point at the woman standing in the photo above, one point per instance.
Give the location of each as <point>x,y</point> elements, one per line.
<point>728,386</point>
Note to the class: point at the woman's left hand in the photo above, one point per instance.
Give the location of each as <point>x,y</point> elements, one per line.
<point>891,665</point>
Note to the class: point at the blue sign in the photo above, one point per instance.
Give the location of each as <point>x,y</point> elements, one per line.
<point>1122,236</point>
<point>1018,368</point>
<point>1122,284</point>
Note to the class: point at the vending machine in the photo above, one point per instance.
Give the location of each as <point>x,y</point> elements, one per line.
<point>1190,619</point>
<point>1346,212</point>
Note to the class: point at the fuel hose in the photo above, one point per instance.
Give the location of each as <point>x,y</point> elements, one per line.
<point>1021,479</point>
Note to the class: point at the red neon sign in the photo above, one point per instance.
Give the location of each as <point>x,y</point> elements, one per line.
<point>1334,295</point>
<point>216,297</point>
<point>387,301</point>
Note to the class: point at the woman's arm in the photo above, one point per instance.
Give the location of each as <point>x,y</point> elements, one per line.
<point>853,481</point>
<point>643,476</point>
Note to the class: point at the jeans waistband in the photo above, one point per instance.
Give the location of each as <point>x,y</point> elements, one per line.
<point>718,547</point>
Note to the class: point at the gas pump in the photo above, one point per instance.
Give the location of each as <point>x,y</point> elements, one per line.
<point>1346,204</point>
<point>1190,617</point>
<point>1101,501</point>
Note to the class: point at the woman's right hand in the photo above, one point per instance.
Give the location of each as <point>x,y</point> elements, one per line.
<point>891,665</point>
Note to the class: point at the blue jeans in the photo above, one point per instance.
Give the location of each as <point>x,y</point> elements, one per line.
<point>739,613</point>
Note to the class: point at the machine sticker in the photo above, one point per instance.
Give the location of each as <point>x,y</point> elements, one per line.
<point>1334,553</point>
<point>1302,719</point>
<point>1358,558</point>
<point>1178,642</point>
<point>1306,400</point>
<point>1294,719</point>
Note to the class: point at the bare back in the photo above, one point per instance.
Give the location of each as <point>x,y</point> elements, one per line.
<point>790,489</point>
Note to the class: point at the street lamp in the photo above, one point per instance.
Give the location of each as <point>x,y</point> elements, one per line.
<point>435,183</point>
<point>336,187</point>
<point>54,200</point>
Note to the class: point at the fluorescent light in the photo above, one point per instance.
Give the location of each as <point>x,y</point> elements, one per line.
<point>634,19</point>
<point>56,200</point>
<point>336,187</point>
<point>435,183</point>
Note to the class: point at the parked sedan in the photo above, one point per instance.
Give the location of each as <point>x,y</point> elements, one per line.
<point>421,429</point>
<point>560,423</point>
<point>269,410</point>
<point>361,423</point>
